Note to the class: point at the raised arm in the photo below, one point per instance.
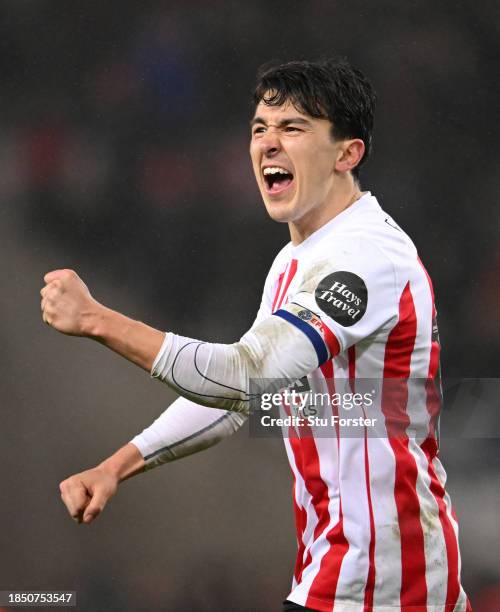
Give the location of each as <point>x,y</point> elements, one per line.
<point>215,375</point>
<point>340,301</point>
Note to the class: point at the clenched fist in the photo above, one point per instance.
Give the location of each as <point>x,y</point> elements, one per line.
<point>67,304</point>
<point>68,307</point>
<point>86,494</point>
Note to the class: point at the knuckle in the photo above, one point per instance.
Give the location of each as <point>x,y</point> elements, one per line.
<point>67,484</point>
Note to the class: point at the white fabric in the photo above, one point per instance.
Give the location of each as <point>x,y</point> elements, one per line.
<point>183,429</point>
<point>218,375</point>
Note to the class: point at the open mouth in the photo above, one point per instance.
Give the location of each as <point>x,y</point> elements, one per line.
<point>277,179</point>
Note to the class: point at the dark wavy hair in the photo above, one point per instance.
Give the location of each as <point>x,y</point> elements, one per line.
<point>329,89</point>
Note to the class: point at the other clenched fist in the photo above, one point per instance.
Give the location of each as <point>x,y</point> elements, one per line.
<point>86,494</point>
<point>67,304</point>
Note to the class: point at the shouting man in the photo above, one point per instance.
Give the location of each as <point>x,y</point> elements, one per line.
<point>346,300</point>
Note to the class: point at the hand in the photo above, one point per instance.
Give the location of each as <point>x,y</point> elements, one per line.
<point>67,304</point>
<point>86,494</point>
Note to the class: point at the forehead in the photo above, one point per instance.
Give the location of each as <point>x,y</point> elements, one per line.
<point>289,113</point>
<point>287,109</point>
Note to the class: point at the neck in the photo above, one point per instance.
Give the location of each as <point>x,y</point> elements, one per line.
<point>343,196</point>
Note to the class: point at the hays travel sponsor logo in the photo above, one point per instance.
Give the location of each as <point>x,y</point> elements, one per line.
<point>343,296</point>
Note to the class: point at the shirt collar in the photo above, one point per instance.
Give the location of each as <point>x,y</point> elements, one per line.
<point>364,202</point>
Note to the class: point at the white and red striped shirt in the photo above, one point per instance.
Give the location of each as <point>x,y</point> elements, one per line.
<point>352,303</point>
<point>375,525</point>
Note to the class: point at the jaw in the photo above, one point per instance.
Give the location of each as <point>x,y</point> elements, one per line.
<point>282,207</point>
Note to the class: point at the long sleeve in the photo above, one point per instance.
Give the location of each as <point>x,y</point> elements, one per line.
<point>185,428</point>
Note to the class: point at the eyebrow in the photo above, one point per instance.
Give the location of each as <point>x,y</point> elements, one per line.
<point>282,123</point>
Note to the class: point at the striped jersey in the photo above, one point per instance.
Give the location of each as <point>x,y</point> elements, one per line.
<point>375,526</point>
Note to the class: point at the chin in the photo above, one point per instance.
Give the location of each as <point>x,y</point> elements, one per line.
<point>279,211</point>
<point>282,210</point>
<point>280,218</point>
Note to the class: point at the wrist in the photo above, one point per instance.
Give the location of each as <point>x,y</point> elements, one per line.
<point>112,470</point>
<point>134,340</point>
<point>96,321</point>
<point>125,463</point>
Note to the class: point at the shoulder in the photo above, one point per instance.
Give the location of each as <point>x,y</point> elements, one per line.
<point>373,242</point>
<point>372,225</point>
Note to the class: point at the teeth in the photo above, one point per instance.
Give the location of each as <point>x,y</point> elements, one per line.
<point>275,170</point>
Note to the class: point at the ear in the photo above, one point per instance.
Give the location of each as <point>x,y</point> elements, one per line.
<point>350,154</point>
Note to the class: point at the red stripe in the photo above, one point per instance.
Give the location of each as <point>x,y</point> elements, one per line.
<point>322,592</point>
<point>351,354</point>
<point>300,523</point>
<point>321,595</point>
<point>300,520</point>
<point>291,274</point>
<point>280,281</point>
<point>300,526</point>
<point>433,383</point>
<point>398,352</point>
<point>307,462</point>
<point>453,584</point>
<point>314,483</point>
<point>431,449</point>
<point>330,340</point>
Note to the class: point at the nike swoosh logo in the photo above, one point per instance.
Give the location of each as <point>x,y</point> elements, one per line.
<point>396,227</point>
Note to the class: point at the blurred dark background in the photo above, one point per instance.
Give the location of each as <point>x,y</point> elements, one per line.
<point>124,155</point>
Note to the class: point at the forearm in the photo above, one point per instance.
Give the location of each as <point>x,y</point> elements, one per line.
<point>134,340</point>
<point>184,428</point>
<point>123,464</point>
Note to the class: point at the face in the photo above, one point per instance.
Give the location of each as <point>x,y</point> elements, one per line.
<point>293,157</point>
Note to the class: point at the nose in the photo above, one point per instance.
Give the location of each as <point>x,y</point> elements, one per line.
<point>270,142</point>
